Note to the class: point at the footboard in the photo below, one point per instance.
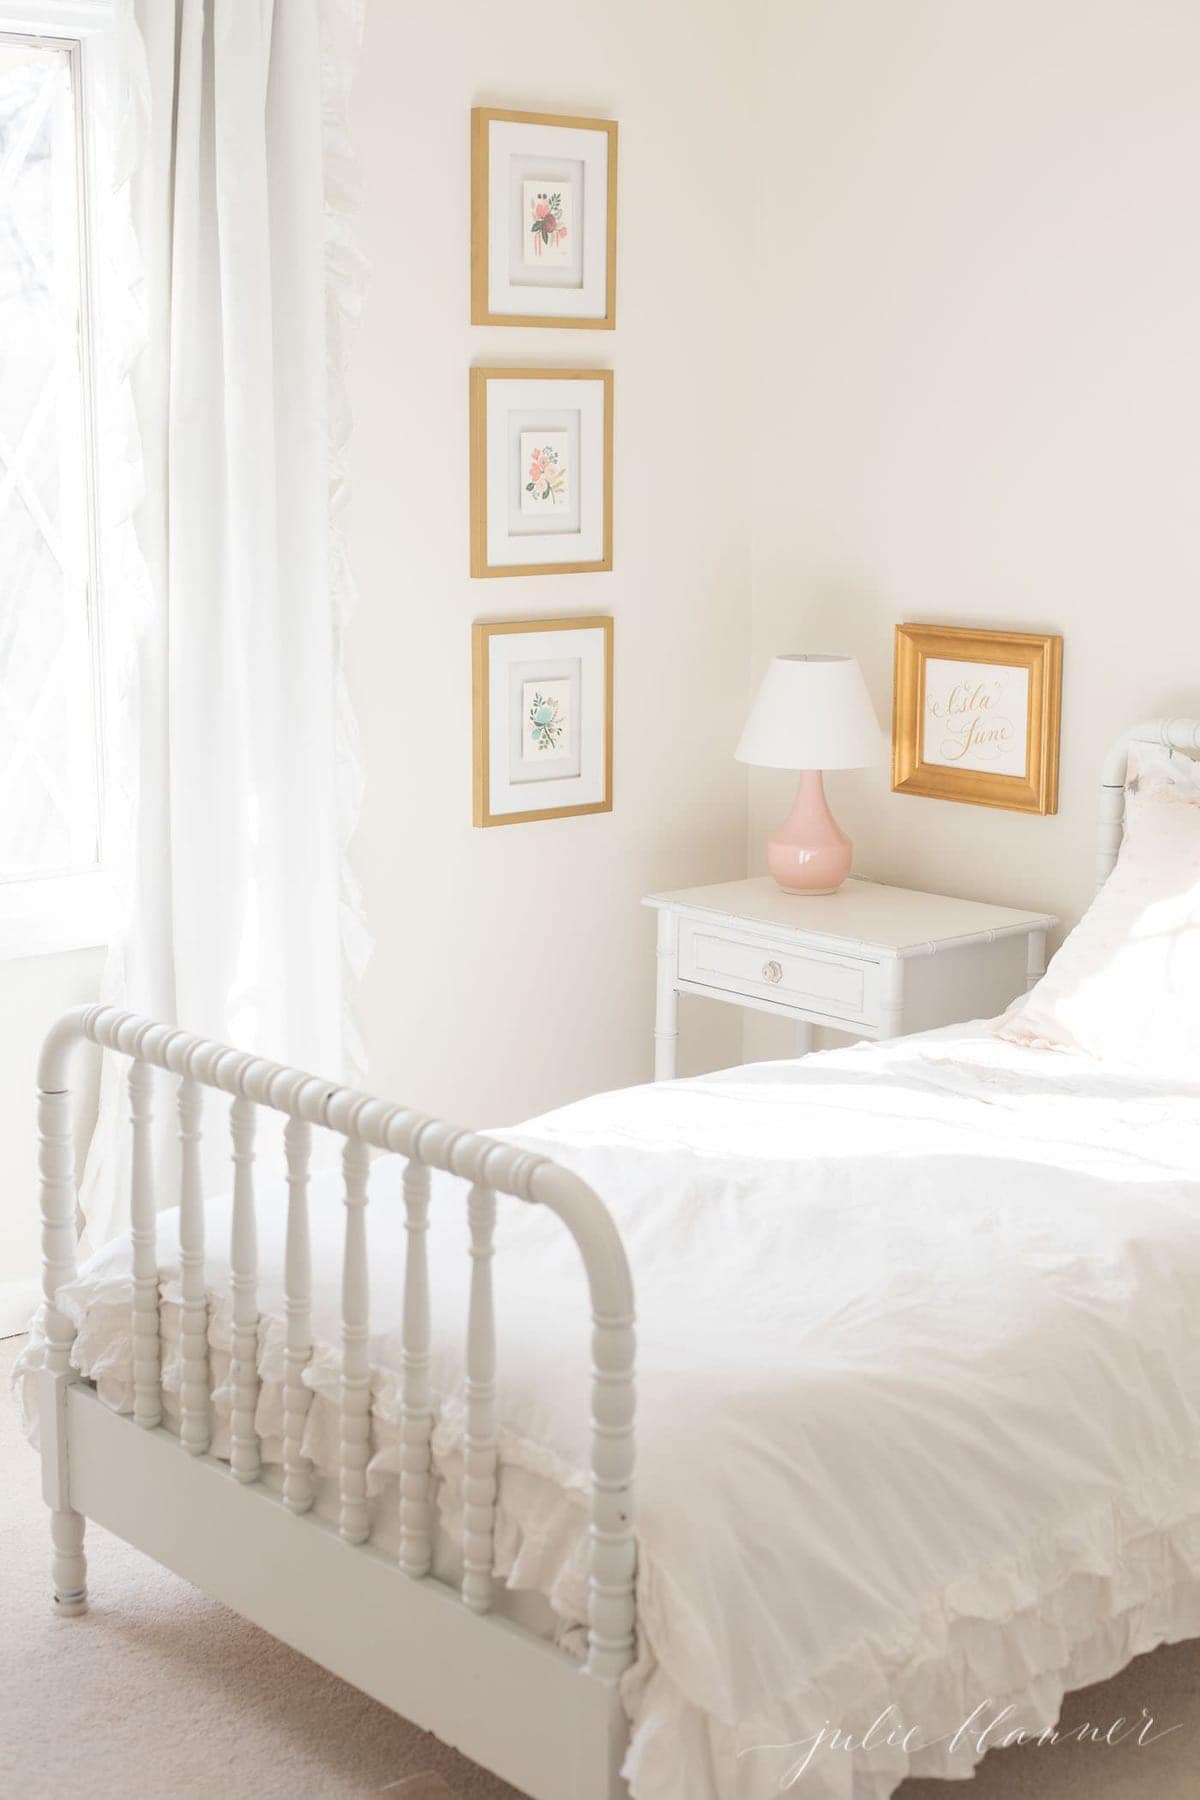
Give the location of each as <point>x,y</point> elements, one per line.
<point>72,1428</point>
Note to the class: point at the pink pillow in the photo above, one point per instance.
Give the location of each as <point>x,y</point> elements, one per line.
<point>1125,986</point>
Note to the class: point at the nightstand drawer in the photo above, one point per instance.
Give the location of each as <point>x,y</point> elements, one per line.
<point>870,960</point>
<point>739,963</point>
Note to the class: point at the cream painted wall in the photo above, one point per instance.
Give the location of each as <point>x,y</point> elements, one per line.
<point>978,394</point>
<point>514,967</point>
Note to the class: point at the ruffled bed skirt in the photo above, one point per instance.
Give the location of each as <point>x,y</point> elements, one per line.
<point>1003,1647</point>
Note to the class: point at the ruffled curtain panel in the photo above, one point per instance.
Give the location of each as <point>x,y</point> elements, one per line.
<point>235,766</point>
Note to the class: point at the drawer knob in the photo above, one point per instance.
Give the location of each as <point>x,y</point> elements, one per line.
<point>772,971</point>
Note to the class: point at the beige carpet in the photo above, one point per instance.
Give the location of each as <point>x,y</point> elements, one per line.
<point>157,1692</point>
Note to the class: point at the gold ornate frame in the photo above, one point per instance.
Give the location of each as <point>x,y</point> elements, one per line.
<point>481,636</point>
<point>1034,792</point>
<point>480,565</point>
<point>481,119</point>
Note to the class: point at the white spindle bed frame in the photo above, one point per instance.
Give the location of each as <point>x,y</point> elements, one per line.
<point>1172,734</point>
<point>507,1698</point>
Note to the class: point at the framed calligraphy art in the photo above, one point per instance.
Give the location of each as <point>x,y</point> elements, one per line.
<point>976,716</point>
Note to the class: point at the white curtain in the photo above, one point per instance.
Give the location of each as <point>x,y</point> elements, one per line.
<point>235,766</point>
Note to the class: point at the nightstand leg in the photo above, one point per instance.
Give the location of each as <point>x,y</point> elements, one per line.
<point>1035,959</point>
<point>891,1011</point>
<point>666,1009</point>
<point>804,1036</point>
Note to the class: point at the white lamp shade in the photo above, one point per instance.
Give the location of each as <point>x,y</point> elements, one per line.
<point>812,712</point>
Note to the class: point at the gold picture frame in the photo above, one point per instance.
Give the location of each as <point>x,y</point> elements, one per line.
<point>482,119</point>
<point>501,803</point>
<point>480,487</point>
<point>976,716</point>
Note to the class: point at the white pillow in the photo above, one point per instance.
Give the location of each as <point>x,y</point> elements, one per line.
<point>1125,987</point>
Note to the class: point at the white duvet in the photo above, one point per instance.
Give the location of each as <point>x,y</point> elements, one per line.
<point>918,1395</point>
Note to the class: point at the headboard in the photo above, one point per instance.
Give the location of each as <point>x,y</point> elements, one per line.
<point>1174,734</point>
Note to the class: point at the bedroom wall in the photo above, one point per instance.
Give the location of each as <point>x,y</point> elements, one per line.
<point>514,967</point>
<point>978,380</point>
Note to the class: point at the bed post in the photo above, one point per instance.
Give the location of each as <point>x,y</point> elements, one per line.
<point>56,1170</point>
<point>297,1307</point>
<point>612,1604</point>
<point>416,1409</point>
<point>1172,734</point>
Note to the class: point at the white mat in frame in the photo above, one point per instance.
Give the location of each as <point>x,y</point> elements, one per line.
<point>543,704</point>
<point>571,410</point>
<point>514,155</point>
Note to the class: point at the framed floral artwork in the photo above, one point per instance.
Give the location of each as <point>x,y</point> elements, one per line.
<point>976,716</point>
<point>543,712</point>
<point>541,471</point>
<point>543,220</point>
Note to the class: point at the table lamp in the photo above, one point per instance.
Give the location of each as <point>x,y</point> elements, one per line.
<point>811,713</point>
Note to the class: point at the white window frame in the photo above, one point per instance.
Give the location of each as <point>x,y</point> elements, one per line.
<point>73,909</point>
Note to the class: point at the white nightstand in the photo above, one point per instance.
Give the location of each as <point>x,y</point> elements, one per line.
<point>872,960</point>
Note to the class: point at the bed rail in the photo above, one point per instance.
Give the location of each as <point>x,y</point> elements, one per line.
<point>491,1167</point>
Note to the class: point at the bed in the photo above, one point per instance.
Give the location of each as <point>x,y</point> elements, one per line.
<point>919,1399</point>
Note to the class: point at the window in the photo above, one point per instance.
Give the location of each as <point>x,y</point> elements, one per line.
<point>51,886</point>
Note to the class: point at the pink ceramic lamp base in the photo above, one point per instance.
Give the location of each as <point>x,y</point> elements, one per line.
<point>809,853</point>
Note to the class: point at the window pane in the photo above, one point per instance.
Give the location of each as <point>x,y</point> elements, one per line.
<point>48,764</point>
